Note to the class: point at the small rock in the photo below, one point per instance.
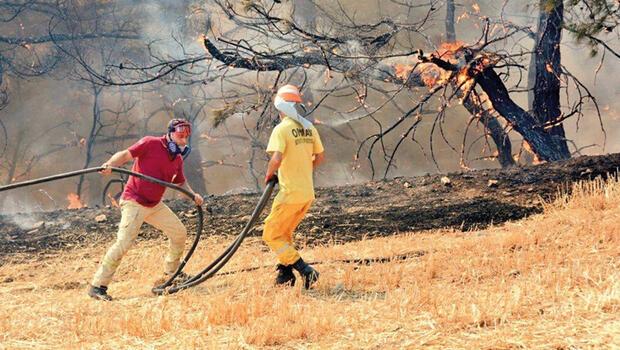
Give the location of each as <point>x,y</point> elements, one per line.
<point>530,189</point>
<point>407,185</point>
<point>467,176</point>
<point>189,215</point>
<point>446,181</point>
<point>101,218</point>
<point>315,229</point>
<point>514,273</point>
<point>506,193</point>
<point>586,172</point>
<point>325,210</point>
<point>38,225</point>
<point>492,183</point>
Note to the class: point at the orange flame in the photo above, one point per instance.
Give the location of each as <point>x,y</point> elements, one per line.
<point>449,50</point>
<point>74,201</point>
<point>462,77</point>
<point>549,68</point>
<point>209,139</point>
<point>113,201</point>
<point>432,75</point>
<point>403,70</point>
<point>465,15</point>
<point>529,149</point>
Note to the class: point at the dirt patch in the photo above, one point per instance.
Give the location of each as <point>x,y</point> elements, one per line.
<point>473,199</point>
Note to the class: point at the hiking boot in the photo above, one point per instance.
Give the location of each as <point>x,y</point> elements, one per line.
<point>99,293</point>
<point>285,275</point>
<point>307,272</point>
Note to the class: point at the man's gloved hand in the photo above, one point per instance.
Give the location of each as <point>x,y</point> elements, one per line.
<point>269,177</point>
<point>107,169</point>
<point>198,199</point>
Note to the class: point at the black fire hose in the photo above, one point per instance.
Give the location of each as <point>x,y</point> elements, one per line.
<point>220,261</point>
<point>210,270</point>
<point>127,172</point>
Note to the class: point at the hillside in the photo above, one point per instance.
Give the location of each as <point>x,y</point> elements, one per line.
<point>547,281</point>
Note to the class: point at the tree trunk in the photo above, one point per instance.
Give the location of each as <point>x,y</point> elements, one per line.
<point>193,168</point>
<point>91,140</point>
<point>450,31</point>
<point>491,124</point>
<point>543,144</point>
<point>546,103</point>
<point>495,130</point>
<point>15,158</point>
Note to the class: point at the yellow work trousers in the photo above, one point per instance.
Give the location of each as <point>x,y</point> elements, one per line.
<point>132,216</point>
<point>279,228</point>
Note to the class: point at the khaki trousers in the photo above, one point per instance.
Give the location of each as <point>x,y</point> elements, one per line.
<point>279,228</point>
<point>132,216</point>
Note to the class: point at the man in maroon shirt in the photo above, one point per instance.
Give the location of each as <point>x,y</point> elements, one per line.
<point>161,158</point>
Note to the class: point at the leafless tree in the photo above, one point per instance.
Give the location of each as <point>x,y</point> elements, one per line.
<point>34,36</point>
<point>357,59</point>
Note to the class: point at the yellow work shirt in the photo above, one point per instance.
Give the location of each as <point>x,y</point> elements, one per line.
<point>297,146</point>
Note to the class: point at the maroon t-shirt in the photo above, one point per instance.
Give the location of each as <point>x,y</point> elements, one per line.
<point>152,159</point>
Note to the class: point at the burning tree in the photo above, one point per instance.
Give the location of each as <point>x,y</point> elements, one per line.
<point>394,72</point>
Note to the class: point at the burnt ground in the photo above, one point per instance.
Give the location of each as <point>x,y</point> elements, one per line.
<point>473,199</point>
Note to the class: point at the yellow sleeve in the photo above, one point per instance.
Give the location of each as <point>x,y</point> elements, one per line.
<point>277,141</point>
<point>317,146</point>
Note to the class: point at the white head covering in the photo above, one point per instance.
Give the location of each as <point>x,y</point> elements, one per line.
<point>286,98</point>
<point>288,108</point>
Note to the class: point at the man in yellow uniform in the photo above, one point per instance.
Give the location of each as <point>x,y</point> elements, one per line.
<point>296,149</point>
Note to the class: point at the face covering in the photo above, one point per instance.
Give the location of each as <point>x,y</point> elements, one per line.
<point>288,108</point>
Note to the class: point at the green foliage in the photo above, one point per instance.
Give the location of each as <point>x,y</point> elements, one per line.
<point>589,19</point>
<point>221,114</point>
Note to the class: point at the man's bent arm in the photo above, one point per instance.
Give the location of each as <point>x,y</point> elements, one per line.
<point>118,159</point>
<point>318,159</point>
<point>274,165</point>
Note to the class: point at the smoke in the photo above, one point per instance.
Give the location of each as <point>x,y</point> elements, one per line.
<point>173,28</point>
<point>20,212</point>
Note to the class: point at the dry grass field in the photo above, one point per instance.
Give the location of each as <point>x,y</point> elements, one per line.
<point>551,281</point>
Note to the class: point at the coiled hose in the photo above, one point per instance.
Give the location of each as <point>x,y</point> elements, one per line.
<point>209,271</point>
<point>220,261</point>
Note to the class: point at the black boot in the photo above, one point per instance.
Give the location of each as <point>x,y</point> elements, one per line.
<point>99,293</point>
<point>285,275</point>
<point>307,272</point>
